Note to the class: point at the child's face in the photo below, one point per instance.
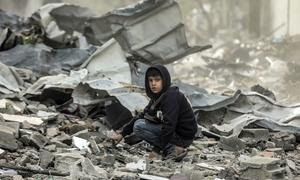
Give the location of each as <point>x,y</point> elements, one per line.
<point>155,83</point>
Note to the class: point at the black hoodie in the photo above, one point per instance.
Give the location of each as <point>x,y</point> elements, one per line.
<point>178,115</point>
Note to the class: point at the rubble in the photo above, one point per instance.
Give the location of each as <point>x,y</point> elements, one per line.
<point>262,168</point>
<point>75,76</point>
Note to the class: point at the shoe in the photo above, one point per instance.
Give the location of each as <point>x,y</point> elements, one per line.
<point>177,155</point>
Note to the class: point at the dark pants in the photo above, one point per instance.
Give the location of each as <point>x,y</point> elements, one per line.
<point>150,132</point>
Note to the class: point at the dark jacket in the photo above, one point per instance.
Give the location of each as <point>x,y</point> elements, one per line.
<point>177,113</point>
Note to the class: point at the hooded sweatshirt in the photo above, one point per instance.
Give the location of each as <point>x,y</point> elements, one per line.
<point>177,114</point>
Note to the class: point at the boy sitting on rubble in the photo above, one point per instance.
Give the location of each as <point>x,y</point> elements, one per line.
<point>168,121</point>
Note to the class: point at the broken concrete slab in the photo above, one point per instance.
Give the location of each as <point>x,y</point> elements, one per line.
<point>151,177</point>
<point>65,160</point>
<point>253,136</point>
<point>18,118</point>
<point>284,140</point>
<point>38,140</point>
<point>52,132</point>
<point>8,141</point>
<point>262,168</point>
<point>10,82</point>
<point>124,175</point>
<point>210,167</point>
<point>231,143</point>
<point>46,116</point>
<point>46,159</point>
<point>11,106</point>
<point>10,128</point>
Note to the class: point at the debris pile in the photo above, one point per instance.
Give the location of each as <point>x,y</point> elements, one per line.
<point>68,78</point>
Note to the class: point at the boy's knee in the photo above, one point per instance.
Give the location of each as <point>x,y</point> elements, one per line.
<point>139,125</point>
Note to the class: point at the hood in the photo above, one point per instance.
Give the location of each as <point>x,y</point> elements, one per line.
<point>165,77</point>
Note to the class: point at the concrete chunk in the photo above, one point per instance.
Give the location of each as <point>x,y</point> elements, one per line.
<point>46,158</point>
<point>261,168</point>
<point>8,141</point>
<point>252,136</point>
<point>260,162</point>
<point>37,140</point>
<point>21,119</point>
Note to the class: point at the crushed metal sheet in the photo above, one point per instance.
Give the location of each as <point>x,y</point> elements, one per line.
<point>59,81</point>
<point>135,28</point>
<point>258,109</point>
<point>109,60</point>
<point>44,60</point>
<point>129,96</point>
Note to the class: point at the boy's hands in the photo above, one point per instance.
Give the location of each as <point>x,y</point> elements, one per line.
<point>116,137</point>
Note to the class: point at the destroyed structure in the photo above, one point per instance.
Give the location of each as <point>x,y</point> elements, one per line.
<point>69,77</point>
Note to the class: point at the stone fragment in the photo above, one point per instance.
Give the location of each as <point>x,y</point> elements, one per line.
<point>253,136</point>
<point>232,143</point>
<point>8,141</point>
<point>38,141</point>
<point>262,168</point>
<point>46,159</point>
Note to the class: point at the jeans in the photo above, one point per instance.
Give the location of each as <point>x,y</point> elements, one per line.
<point>150,132</point>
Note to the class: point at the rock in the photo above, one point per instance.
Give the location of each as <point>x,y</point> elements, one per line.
<point>210,167</point>
<point>38,141</point>
<point>253,136</point>
<point>51,132</point>
<point>8,141</point>
<point>254,152</point>
<point>64,138</point>
<point>2,152</point>
<point>11,128</point>
<point>267,154</point>
<point>17,177</point>
<point>125,175</point>
<point>232,143</point>
<point>278,151</point>
<point>94,147</point>
<point>50,148</point>
<point>284,140</point>
<point>66,160</point>
<point>46,159</point>
<point>291,164</point>
<point>179,177</point>
<point>24,160</point>
<point>76,128</point>
<point>25,139</point>
<point>108,160</point>
<point>270,144</point>
<point>223,130</point>
<point>262,168</point>
<point>205,144</point>
<point>18,118</point>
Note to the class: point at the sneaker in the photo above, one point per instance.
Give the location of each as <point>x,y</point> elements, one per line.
<point>176,155</point>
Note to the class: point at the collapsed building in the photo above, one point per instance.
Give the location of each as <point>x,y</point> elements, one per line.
<point>68,77</point>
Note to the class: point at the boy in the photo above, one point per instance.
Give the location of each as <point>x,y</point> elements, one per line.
<point>168,122</point>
